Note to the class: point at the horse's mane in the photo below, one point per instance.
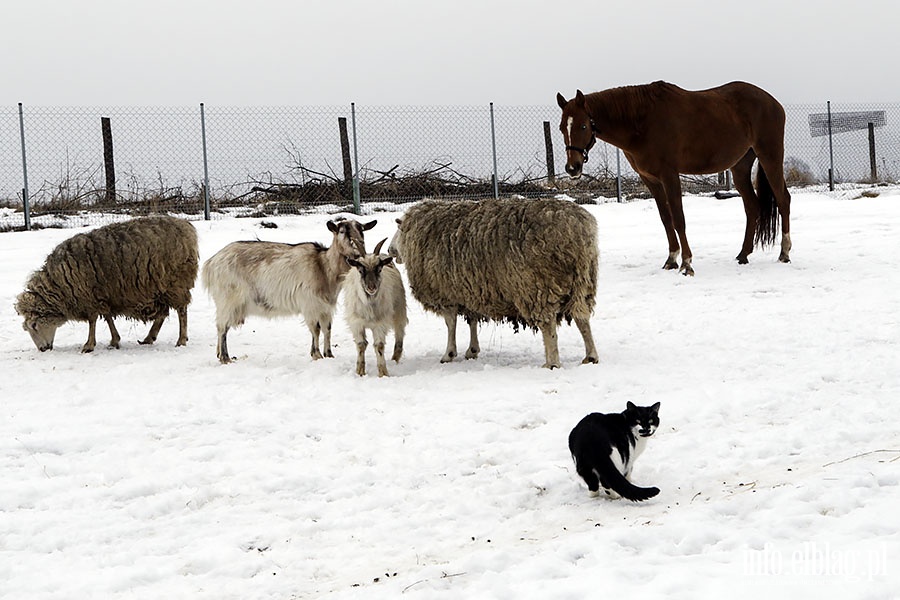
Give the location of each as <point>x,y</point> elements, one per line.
<point>628,103</point>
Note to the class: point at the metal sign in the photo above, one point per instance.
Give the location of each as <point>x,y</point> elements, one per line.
<point>842,122</point>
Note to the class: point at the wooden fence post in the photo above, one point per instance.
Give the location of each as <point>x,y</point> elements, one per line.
<point>345,155</point>
<point>108,161</point>
<point>872,163</point>
<point>548,146</point>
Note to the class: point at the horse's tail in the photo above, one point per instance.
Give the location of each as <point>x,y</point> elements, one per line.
<point>767,226</point>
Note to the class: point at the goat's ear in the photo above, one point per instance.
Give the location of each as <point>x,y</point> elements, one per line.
<point>399,222</point>
<point>561,100</point>
<point>352,261</point>
<point>386,261</point>
<point>369,225</point>
<point>332,227</point>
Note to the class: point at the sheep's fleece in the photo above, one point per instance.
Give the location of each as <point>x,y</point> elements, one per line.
<point>529,262</point>
<point>137,269</point>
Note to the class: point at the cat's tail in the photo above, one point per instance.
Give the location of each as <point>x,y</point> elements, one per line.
<point>611,478</point>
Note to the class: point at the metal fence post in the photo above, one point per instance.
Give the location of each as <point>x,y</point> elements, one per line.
<point>494,150</point>
<point>618,174</point>
<point>25,207</point>
<point>205,164</point>
<point>830,152</point>
<point>356,207</point>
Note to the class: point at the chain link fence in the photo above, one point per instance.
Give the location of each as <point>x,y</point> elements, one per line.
<point>85,165</point>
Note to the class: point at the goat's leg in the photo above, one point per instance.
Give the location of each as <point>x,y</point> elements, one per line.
<point>182,327</point>
<point>92,335</point>
<point>399,334</point>
<point>314,329</point>
<point>473,349</point>
<point>590,351</point>
<point>222,345</point>
<point>551,347</point>
<point>114,337</point>
<point>378,337</point>
<point>450,320</point>
<point>326,338</point>
<point>154,330</point>
<point>359,336</point>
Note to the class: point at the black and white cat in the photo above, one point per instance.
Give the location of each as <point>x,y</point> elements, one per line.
<point>605,447</point>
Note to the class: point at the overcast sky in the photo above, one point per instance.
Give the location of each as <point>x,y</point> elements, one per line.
<point>460,52</point>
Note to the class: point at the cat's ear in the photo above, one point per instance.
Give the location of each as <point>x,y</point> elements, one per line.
<point>630,406</point>
<point>655,408</point>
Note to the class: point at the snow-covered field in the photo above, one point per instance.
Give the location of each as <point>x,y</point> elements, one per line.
<point>155,472</point>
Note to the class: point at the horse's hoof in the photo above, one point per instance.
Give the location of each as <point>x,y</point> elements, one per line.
<point>784,258</point>
<point>742,260</point>
<point>687,271</point>
<point>670,265</point>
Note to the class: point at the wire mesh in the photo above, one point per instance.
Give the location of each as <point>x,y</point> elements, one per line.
<point>290,160</point>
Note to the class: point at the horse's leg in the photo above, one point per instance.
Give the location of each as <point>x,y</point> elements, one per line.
<point>744,185</point>
<point>772,164</point>
<point>672,185</point>
<point>665,215</point>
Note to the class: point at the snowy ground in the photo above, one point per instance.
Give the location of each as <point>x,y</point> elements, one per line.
<point>156,472</point>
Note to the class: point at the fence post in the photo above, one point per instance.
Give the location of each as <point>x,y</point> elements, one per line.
<point>494,151</point>
<point>356,208</point>
<point>548,146</point>
<point>872,164</point>
<point>830,152</point>
<point>345,156</point>
<point>618,175</point>
<point>205,164</point>
<point>109,163</point>
<point>25,199</point>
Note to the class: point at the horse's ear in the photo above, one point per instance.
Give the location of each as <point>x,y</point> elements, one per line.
<point>579,98</point>
<point>560,99</point>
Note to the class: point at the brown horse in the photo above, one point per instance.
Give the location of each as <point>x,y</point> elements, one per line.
<point>665,131</point>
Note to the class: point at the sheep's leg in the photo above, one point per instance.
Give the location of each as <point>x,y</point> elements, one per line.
<point>314,329</point>
<point>182,327</point>
<point>222,345</point>
<point>359,336</point>
<point>114,337</point>
<point>590,351</point>
<point>326,339</point>
<point>473,349</point>
<point>551,347</point>
<point>450,320</point>
<point>154,330</point>
<point>92,335</point>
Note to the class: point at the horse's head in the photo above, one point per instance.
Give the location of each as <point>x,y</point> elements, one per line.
<point>578,132</point>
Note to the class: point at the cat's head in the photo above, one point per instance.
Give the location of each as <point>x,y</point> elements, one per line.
<point>643,420</point>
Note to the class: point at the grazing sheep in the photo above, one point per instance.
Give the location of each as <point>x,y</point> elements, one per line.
<point>528,262</point>
<point>137,269</point>
<point>271,279</point>
<point>374,298</point>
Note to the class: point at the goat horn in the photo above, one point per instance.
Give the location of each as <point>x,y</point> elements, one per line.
<point>378,246</point>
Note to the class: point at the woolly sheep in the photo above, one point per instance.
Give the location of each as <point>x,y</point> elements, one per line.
<point>374,298</point>
<point>137,269</point>
<point>528,262</point>
<point>272,279</point>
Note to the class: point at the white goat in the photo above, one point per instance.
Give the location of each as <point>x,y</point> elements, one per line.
<point>374,298</point>
<point>272,279</point>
